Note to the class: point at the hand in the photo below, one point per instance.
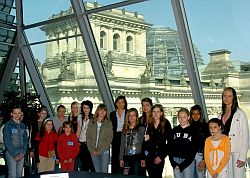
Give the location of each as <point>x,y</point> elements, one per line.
<point>215,175</point>
<point>157,160</point>
<point>121,163</point>
<point>57,161</point>
<point>65,161</point>
<point>177,167</point>
<point>70,160</point>
<point>240,163</point>
<point>201,165</point>
<point>94,153</point>
<point>143,163</point>
<point>146,137</point>
<point>17,158</point>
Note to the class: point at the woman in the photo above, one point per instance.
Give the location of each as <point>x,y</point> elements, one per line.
<point>131,143</point>
<point>35,128</point>
<point>83,120</point>
<point>200,127</point>
<point>235,125</point>
<point>146,104</point>
<point>117,118</point>
<point>154,147</point>
<point>99,136</point>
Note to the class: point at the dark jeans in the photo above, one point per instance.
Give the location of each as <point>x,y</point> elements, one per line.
<point>85,157</point>
<point>134,164</point>
<point>115,160</point>
<point>154,170</point>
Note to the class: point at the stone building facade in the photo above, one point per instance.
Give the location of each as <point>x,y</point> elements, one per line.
<point>121,38</point>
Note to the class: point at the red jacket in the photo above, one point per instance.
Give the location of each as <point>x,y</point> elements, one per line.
<point>67,146</point>
<point>47,143</point>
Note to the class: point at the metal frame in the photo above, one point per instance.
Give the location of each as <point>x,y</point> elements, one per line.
<point>189,56</point>
<point>10,66</point>
<point>93,53</point>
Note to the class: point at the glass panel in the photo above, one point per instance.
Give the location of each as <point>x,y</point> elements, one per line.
<point>64,66</point>
<point>220,31</point>
<point>143,57</point>
<point>36,11</point>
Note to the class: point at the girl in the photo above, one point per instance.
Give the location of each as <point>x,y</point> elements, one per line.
<point>83,120</point>
<point>118,118</point>
<point>99,137</point>
<point>155,148</point>
<point>217,151</point>
<point>146,104</point>
<point>15,140</point>
<point>202,132</point>
<point>67,147</point>
<point>235,125</point>
<point>131,143</point>
<point>183,147</point>
<point>47,138</point>
<point>35,128</point>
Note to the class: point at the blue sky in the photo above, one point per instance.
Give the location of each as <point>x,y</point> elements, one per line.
<point>214,24</point>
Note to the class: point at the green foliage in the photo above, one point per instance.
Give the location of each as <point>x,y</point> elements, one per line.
<point>30,105</point>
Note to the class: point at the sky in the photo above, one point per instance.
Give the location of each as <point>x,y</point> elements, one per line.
<point>214,24</point>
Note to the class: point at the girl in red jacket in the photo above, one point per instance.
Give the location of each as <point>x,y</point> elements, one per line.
<point>67,147</point>
<point>47,146</point>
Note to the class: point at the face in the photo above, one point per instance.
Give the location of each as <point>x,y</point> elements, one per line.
<point>195,115</point>
<point>102,113</point>
<point>67,129</point>
<point>74,110</point>
<point>61,112</point>
<point>132,117</point>
<point>214,128</point>
<point>183,119</point>
<point>156,113</point>
<point>86,110</point>
<point>146,107</point>
<point>16,114</point>
<point>48,126</point>
<point>120,104</point>
<point>228,98</point>
<point>43,114</point>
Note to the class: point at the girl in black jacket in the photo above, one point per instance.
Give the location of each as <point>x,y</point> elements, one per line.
<point>155,148</point>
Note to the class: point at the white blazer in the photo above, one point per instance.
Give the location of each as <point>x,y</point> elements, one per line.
<point>239,134</point>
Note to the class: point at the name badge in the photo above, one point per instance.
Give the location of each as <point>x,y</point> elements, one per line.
<point>70,143</point>
<point>14,131</point>
<point>132,152</point>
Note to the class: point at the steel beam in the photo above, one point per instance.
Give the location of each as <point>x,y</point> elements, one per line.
<point>8,70</point>
<point>93,53</point>
<point>189,56</point>
<point>35,75</point>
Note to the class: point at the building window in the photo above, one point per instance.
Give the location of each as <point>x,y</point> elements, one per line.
<point>116,41</point>
<point>129,43</point>
<point>103,40</point>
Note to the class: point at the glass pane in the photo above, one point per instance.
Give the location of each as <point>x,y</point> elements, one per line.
<point>224,42</point>
<point>36,11</point>
<point>220,30</point>
<point>65,69</point>
<point>142,56</point>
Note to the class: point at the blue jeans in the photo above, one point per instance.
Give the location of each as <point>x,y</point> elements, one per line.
<point>101,162</point>
<point>14,167</point>
<point>188,172</point>
<point>199,174</point>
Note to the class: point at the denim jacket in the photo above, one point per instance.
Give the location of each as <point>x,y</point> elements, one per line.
<point>15,138</point>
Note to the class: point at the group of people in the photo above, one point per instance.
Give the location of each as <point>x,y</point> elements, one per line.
<point>140,144</point>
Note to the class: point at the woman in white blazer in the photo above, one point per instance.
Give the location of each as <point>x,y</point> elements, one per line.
<point>235,125</point>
